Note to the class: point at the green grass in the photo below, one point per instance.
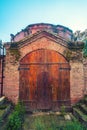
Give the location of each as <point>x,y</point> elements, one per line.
<point>73,126</point>
<point>41,122</point>
<point>50,122</point>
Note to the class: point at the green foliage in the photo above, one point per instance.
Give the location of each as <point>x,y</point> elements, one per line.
<point>15,52</point>
<point>16,118</point>
<point>14,122</point>
<point>20,107</point>
<point>62,110</point>
<point>85,50</point>
<point>68,126</point>
<point>51,122</point>
<point>74,46</point>
<point>39,124</point>
<point>74,126</point>
<point>1,121</point>
<point>3,107</point>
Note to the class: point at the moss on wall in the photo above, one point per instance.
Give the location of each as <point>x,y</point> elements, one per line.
<point>14,51</point>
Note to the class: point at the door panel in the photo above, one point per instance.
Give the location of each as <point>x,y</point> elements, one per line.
<point>44,79</point>
<point>44,92</point>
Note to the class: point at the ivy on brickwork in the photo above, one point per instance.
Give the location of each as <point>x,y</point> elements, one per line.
<point>68,54</point>
<point>85,49</point>
<point>14,51</point>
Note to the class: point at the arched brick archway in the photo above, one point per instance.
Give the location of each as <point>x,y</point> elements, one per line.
<point>44,80</point>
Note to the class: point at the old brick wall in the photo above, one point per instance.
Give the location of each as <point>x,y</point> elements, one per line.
<point>76,81</point>
<point>76,73</point>
<point>85,75</point>
<point>0,74</point>
<point>19,36</point>
<point>11,80</point>
<point>42,43</point>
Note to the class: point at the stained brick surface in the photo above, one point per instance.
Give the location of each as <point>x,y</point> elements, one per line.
<point>11,80</point>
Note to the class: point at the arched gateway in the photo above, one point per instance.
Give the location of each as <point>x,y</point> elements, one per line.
<point>37,72</point>
<point>44,80</point>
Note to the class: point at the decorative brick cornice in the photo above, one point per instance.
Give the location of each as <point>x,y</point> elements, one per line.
<point>50,35</point>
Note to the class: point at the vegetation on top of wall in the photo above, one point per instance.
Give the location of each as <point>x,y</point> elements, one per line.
<point>85,50</point>
<point>14,51</point>
<point>74,46</point>
<point>75,51</point>
<point>73,55</point>
<point>14,45</point>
